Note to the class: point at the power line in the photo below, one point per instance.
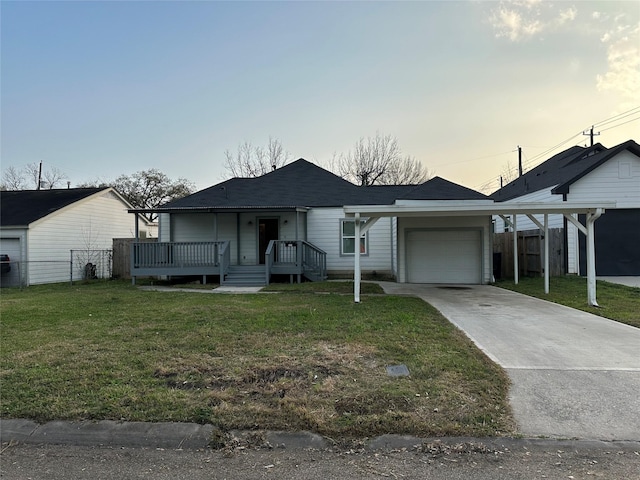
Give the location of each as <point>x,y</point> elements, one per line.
<point>620,116</point>
<point>529,161</point>
<point>620,124</point>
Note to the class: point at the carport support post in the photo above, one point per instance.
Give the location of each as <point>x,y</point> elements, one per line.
<point>546,253</point>
<point>356,260</point>
<point>591,257</point>
<point>515,249</point>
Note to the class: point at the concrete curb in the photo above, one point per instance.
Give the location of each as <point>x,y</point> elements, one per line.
<point>175,435</point>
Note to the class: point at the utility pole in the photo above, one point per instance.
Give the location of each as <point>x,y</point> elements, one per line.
<point>519,161</point>
<point>591,134</point>
<point>39,175</point>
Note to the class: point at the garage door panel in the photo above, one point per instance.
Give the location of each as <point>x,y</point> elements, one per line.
<point>444,256</point>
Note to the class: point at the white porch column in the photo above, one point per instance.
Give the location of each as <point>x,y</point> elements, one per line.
<point>591,257</point>
<point>546,253</point>
<point>356,260</point>
<point>515,249</point>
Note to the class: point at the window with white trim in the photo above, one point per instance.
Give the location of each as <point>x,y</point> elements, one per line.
<point>348,238</point>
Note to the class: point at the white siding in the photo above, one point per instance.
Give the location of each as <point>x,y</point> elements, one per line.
<point>193,227</point>
<point>524,223</point>
<point>91,223</point>
<point>324,232</point>
<point>483,223</point>
<point>610,183</point>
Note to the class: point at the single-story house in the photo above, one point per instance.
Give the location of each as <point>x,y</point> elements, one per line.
<point>588,174</point>
<point>40,228</point>
<point>303,221</point>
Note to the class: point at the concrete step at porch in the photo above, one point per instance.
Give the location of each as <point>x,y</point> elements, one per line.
<point>246,275</point>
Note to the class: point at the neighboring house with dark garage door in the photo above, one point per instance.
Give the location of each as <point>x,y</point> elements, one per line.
<point>588,174</point>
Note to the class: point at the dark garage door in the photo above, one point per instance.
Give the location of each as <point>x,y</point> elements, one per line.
<point>617,236</point>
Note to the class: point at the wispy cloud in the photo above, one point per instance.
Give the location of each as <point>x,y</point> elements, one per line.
<point>521,20</point>
<point>619,32</point>
<point>623,60</point>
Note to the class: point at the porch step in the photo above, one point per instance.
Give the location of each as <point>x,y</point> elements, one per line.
<point>246,275</point>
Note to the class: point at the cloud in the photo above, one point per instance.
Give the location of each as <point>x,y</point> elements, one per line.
<point>521,20</point>
<point>623,61</point>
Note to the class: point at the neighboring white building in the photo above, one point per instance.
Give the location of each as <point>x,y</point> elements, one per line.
<point>39,228</point>
<point>588,174</point>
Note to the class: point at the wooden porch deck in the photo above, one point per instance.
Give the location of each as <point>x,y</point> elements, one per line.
<point>297,258</point>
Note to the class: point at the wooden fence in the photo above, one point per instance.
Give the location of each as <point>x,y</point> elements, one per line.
<point>122,256</point>
<point>530,253</point>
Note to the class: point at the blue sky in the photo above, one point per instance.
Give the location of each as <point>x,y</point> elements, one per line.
<point>97,89</point>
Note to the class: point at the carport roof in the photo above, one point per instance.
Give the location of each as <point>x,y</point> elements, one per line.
<point>473,208</point>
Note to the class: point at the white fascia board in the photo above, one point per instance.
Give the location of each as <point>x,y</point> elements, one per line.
<point>435,203</point>
<point>461,209</point>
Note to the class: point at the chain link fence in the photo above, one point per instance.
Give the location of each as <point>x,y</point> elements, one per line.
<point>90,264</point>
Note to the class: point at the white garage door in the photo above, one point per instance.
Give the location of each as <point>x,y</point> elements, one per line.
<point>11,247</point>
<point>444,256</point>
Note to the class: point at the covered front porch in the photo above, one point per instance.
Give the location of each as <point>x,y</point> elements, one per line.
<point>240,246</point>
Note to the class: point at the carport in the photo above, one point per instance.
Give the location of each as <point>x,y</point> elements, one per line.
<point>365,216</point>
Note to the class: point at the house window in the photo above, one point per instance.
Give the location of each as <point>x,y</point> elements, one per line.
<point>348,239</point>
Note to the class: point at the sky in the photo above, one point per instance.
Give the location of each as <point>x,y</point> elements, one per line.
<point>99,89</point>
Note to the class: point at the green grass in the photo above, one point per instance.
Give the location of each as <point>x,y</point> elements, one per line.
<point>342,287</point>
<point>285,361</point>
<point>616,302</point>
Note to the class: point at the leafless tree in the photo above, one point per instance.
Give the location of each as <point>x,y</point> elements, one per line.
<point>378,161</point>
<point>508,173</point>
<point>251,161</point>
<point>53,178</point>
<point>13,179</point>
<point>20,179</point>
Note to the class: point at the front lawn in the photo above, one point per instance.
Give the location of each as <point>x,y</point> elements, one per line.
<point>617,302</point>
<point>281,361</point>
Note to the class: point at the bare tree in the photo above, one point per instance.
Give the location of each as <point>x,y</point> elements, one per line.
<point>250,161</point>
<point>13,179</point>
<point>508,173</point>
<point>151,188</point>
<point>378,161</point>
<point>406,171</point>
<point>30,174</point>
<point>53,178</point>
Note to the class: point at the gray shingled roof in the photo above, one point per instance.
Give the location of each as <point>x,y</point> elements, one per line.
<point>303,184</point>
<point>22,207</point>
<point>563,169</point>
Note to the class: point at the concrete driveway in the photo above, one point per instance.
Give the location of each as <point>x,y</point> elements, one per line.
<point>574,374</point>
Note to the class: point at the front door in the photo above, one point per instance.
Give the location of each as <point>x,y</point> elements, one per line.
<point>267,231</point>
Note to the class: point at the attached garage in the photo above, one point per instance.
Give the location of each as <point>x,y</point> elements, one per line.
<point>444,256</point>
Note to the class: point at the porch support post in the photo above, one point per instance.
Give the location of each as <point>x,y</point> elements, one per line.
<point>591,257</point>
<point>133,247</point>
<point>356,260</point>
<point>546,253</point>
<point>515,249</point>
